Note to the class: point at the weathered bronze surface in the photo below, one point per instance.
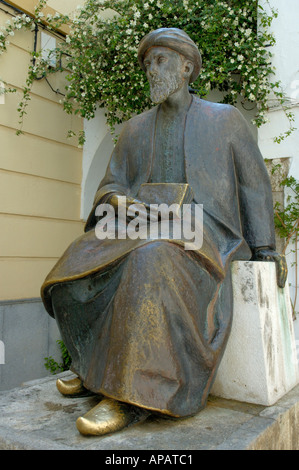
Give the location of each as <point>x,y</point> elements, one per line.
<point>109,416</point>
<point>71,388</point>
<point>145,321</point>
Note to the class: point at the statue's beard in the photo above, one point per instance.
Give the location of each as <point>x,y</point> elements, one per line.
<point>161,89</point>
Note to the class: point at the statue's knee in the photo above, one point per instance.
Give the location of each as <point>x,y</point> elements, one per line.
<point>156,251</point>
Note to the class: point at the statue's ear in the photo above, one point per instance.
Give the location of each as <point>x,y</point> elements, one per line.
<point>188,69</point>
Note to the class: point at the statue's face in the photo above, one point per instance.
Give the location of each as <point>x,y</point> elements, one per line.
<point>164,70</point>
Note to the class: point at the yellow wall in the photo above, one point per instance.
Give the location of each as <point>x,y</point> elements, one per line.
<point>62,6</point>
<point>65,6</point>
<point>40,176</point>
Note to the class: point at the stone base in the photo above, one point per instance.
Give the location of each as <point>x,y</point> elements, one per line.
<point>260,362</point>
<point>37,417</point>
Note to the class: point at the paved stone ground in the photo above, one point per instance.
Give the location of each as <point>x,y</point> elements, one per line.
<point>36,417</point>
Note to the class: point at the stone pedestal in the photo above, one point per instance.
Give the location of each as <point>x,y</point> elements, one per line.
<point>37,417</point>
<point>260,362</point>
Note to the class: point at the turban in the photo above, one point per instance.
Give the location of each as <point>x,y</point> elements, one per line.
<point>174,39</point>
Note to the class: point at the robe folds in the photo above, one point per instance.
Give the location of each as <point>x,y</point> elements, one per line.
<point>145,321</point>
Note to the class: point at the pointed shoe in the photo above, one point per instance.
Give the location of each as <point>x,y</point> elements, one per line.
<point>109,416</point>
<point>71,388</point>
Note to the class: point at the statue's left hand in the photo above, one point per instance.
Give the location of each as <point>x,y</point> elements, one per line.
<point>267,254</point>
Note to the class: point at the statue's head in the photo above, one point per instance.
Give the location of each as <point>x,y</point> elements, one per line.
<point>169,58</point>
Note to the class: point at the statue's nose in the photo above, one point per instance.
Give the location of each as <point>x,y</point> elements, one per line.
<point>152,70</point>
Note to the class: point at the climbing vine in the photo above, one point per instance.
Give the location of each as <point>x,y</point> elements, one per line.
<point>286,219</point>
<point>56,367</point>
<point>100,54</point>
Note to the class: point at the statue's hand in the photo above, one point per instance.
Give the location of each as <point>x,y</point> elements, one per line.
<point>144,210</point>
<point>267,254</point>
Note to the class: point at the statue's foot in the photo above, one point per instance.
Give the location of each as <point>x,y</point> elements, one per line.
<point>71,388</point>
<point>109,416</point>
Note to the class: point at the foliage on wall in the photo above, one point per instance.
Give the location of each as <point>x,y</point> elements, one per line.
<point>101,53</point>
<point>286,219</point>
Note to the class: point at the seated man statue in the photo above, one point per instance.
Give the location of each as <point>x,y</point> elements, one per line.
<point>146,321</point>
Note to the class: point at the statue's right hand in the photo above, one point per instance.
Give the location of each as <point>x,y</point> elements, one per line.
<point>133,206</point>
<point>128,205</point>
<point>114,200</point>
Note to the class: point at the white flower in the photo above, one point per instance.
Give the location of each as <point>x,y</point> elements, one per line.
<point>240,57</point>
<point>146,5</point>
<point>11,33</point>
<point>150,16</point>
<point>137,14</point>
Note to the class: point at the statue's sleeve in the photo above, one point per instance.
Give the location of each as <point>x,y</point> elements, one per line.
<point>115,179</point>
<point>254,188</point>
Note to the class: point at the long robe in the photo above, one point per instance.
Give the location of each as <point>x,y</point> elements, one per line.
<point>145,321</point>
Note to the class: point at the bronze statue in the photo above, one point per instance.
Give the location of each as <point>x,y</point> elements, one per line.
<point>146,321</point>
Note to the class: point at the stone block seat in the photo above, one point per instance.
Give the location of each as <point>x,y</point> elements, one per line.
<point>260,363</point>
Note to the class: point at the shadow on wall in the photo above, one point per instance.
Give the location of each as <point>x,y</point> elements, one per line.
<point>28,335</point>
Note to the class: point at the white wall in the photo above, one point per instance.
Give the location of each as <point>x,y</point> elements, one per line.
<point>286,62</point>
